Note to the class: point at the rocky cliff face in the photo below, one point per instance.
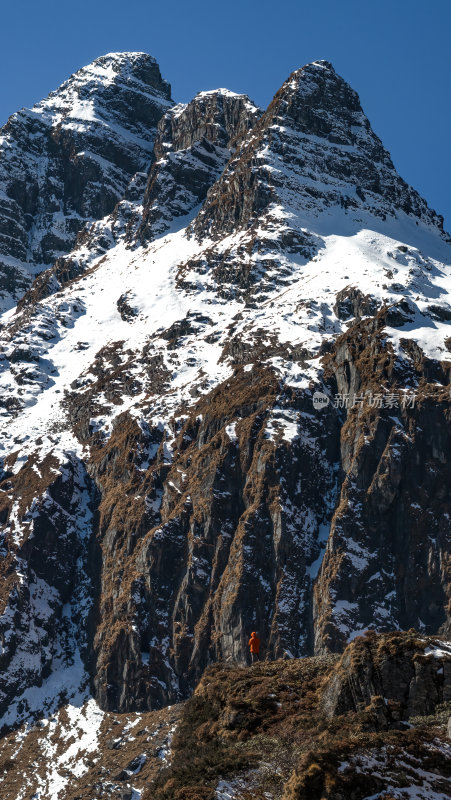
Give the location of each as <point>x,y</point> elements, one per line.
<point>312,150</point>
<point>226,409</point>
<point>70,159</point>
<point>193,146</point>
<point>390,533</point>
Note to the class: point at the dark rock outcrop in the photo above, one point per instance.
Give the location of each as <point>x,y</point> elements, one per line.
<point>48,579</point>
<point>411,676</point>
<point>352,303</point>
<point>193,146</point>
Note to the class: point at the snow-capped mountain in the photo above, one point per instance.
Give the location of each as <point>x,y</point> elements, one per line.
<point>70,158</point>
<point>227,407</point>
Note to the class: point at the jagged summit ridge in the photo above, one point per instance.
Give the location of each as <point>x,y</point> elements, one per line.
<point>312,149</point>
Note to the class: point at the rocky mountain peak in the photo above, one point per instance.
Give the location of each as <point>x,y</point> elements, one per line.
<point>218,115</point>
<point>312,149</point>
<point>320,102</point>
<point>70,158</point>
<point>138,66</point>
<point>194,143</point>
<point>104,78</point>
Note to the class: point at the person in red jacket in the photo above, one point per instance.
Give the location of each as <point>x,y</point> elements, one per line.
<point>254,646</point>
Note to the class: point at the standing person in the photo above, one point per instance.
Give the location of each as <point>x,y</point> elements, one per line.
<point>254,646</point>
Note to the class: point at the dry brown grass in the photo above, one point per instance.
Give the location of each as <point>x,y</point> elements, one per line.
<point>269,717</point>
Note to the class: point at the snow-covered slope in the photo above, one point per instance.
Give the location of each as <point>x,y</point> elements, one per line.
<point>161,447</point>
<point>70,158</point>
<point>128,299</point>
<point>286,290</point>
<point>193,144</point>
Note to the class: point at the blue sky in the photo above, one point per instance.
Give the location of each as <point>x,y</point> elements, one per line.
<point>395,53</point>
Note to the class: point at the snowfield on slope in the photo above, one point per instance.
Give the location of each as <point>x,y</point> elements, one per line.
<point>63,337</point>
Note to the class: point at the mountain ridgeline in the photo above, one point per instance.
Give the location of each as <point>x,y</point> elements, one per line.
<point>179,283</point>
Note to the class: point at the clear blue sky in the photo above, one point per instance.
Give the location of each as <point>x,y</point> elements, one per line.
<point>395,53</point>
